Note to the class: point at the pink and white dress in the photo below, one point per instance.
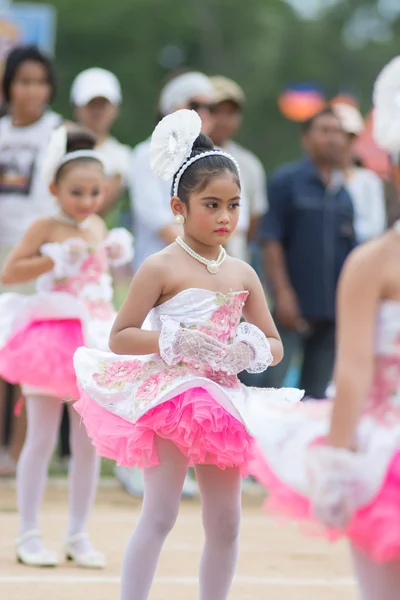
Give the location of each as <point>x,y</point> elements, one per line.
<point>288,440</point>
<point>128,400</point>
<point>72,307</point>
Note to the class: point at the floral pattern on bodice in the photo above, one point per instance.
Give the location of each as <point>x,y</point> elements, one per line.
<point>91,284</point>
<point>384,398</point>
<point>151,376</point>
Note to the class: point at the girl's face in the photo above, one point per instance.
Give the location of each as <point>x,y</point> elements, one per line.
<point>213,213</point>
<point>80,190</point>
<point>30,90</point>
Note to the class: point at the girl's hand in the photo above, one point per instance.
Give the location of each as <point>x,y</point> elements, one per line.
<point>177,343</point>
<point>114,251</point>
<point>75,250</point>
<point>341,482</point>
<point>197,346</point>
<point>238,358</point>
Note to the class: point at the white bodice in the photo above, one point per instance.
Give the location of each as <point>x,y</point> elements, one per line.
<point>219,313</point>
<point>387,339</point>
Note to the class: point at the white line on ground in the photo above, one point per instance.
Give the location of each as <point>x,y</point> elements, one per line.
<point>240,579</point>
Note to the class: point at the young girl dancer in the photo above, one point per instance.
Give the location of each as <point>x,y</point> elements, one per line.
<point>351,481</point>
<point>174,399</point>
<point>69,255</point>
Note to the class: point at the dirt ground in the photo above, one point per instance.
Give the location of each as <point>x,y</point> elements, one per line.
<point>276,562</point>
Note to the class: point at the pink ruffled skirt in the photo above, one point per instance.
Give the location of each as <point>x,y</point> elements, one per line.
<point>375,528</point>
<point>194,421</point>
<point>40,355</point>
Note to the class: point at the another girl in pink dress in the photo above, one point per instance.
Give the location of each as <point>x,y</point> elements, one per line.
<point>339,462</point>
<point>69,255</point>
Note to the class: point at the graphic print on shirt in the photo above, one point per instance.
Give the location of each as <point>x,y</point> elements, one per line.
<point>17,168</point>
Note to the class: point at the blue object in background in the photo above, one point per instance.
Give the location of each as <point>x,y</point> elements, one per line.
<point>36,23</point>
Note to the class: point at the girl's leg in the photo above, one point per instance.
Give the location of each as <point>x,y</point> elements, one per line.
<point>84,470</point>
<point>376,581</point>
<point>44,416</point>
<point>365,572</point>
<point>221,507</point>
<point>162,494</point>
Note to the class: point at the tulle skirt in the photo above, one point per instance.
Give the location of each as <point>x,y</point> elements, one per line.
<point>194,421</point>
<point>374,528</point>
<point>40,355</point>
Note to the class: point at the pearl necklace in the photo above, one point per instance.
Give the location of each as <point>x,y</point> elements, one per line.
<point>212,265</point>
<point>61,216</point>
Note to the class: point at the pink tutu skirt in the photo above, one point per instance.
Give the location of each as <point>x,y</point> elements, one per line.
<point>375,528</point>
<point>40,355</point>
<point>200,427</point>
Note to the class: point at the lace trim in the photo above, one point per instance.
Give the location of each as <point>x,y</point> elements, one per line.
<point>121,238</point>
<point>170,330</point>
<point>258,342</point>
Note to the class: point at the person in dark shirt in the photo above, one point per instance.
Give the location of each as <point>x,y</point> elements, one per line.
<point>307,235</point>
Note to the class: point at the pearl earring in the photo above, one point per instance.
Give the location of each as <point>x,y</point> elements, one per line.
<point>180,219</point>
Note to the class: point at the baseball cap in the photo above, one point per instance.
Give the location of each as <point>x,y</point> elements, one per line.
<point>227,90</point>
<point>350,118</point>
<point>95,83</point>
<point>183,88</point>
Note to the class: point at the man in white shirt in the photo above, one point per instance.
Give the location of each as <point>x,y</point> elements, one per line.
<point>230,100</point>
<point>364,186</point>
<point>96,97</point>
<point>154,225</point>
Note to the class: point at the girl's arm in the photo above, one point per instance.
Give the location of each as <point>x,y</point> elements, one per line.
<point>359,294</point>
<point>256,311</point>
<point>126,336</point>
<point>25,262</point>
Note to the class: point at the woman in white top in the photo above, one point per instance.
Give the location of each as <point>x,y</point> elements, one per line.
<point>28,88</point>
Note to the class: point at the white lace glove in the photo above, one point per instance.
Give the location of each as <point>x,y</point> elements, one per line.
<point>119,247</point>
<point>239,356</point>
<point>249,351</point>
<point>177,343</point>
<point>341,482</point>
<point>67,257</point>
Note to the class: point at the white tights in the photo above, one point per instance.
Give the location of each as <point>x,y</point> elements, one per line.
<point>221,510</point>
<point>376,581</point>
<point>44,417</point>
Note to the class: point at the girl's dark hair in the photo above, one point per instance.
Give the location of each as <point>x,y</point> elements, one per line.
<point>78,138</point>
<point>198,175</point>
<point>19,55</point>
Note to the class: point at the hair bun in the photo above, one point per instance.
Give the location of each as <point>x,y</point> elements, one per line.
<point>202,144</point>
<point>79,138</point>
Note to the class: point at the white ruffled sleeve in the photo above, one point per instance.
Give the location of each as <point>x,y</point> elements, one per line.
<point>64,264</point>
<point>258,342</point>
<point>167,342</point>
<point>119,243</point>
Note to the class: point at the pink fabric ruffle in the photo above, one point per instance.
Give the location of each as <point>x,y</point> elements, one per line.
<point>40,355</point>
<point>375,529</point>
<point>200,427</point>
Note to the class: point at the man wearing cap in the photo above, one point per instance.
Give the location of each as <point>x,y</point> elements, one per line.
<point>153,221</point>
<point>364,186</point>
<point>230,99</point>
<point>96,97</point>
<point>154,225</point>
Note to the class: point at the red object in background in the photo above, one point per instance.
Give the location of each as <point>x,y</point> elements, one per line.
<point>371,155</point>
<point>301,102</point>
